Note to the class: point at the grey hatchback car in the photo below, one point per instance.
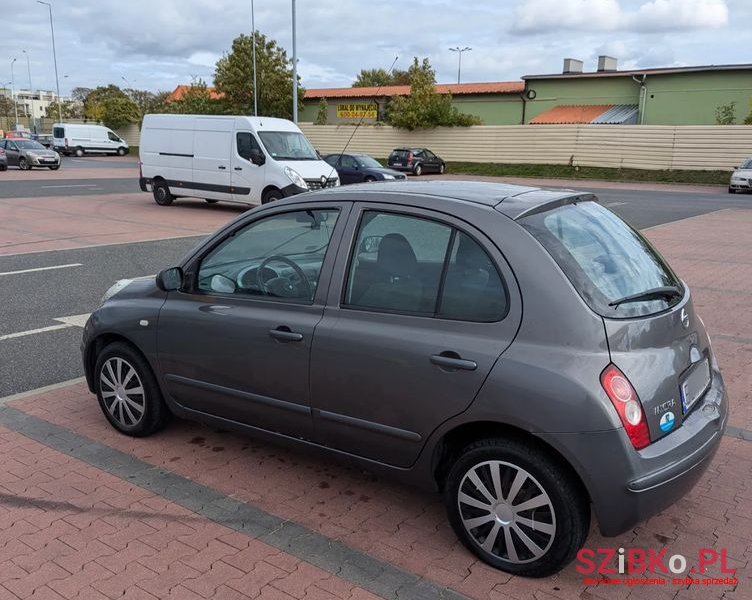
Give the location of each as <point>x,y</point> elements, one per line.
<point>525,352</point>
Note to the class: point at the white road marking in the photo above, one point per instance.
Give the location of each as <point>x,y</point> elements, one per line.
<point>68,266</point>
<point>610,204</point>
<point>65,323</point>
<point>72,185</point>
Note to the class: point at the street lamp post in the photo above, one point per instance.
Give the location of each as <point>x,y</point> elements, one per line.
<point>459,51</point>
<point>294,69</point>
<point>253,27</point>
<point>54,57</point>
<point>31,91</point>
<point>13,90</point>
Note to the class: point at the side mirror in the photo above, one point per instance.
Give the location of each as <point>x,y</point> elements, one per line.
<point>257,157</point>
<point>170,279</point>
<point>223,285</point>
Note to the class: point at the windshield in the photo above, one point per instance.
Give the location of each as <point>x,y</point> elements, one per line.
<point>604,258</point>
<point>747,164</point>
<point>367,162</point>
<point>287,145</point>
<point>29,145</point>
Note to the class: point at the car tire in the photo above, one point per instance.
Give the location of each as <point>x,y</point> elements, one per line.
<point>211,200</point>
<point>79,151</point>
<point>442,169</point>
<point>162,195</point>
<point>24,164</point>
<point>732,191</point>
<point>418,170</point>
<point>562,515</point>
<point>127,391</point>
<point>121,151</point>
<point>53,167</point>
<point>271,196</point>
<point>3,167</point>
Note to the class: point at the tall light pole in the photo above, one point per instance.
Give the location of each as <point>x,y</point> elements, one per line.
<point>459,65</point>
<point>13,90</point>
<point>294,69</point>
<point>253,27</point>
<point>31,91</point>
<point>54,57</point>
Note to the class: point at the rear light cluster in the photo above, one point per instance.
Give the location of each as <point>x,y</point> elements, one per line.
<point>627,405</point>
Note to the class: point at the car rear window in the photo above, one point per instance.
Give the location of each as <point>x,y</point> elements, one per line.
<point>399,153</point>
<point>604,258</point>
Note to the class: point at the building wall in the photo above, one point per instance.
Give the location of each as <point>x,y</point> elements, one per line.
<point>600,90</point>
<point>692,98</point>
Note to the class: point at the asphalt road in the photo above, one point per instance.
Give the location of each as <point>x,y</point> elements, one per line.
<point>36,300</point>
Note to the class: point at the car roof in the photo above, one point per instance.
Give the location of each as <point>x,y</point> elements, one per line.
<point>515,201</point>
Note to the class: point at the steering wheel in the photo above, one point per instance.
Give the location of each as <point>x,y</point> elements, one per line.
<point>294,266</point>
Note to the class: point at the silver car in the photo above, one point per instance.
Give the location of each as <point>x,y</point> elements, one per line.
<point>25,154</point>
<point>523,351</point>
<point>741,178</point>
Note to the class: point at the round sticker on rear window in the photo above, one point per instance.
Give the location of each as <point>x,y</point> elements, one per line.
<point>667,421</point>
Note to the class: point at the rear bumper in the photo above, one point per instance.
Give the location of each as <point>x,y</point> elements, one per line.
<point>144,183</point>
<point>405,169</point>
<point>627,486</point>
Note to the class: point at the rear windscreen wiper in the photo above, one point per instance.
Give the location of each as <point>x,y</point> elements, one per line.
<point>659,293</point>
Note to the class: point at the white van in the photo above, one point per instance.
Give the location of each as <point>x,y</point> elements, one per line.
<point>80,138</point>
<point>251,160</point>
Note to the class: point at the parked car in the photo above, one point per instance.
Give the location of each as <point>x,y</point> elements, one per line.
<point>385,324</point>
<point>357,168</point>
<point>416,161</point>
<point>43,138</point>
<point>83,138</point>
<point>741,178</point>
<point>25,154</point>
<point>3,158</point>
<point>249,160</point>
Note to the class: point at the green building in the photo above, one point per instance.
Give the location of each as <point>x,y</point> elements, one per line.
<point>660,96</point>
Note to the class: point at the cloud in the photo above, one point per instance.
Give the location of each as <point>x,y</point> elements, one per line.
<point>548,16</point>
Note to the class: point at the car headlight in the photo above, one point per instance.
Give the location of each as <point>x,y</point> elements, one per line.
<point>295,177</point>
<point>115,288</point>
<point>387,176</point>
<point>32,155</point>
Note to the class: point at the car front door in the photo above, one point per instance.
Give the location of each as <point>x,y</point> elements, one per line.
<point>248,168</point>
<point>431,162</point>
<point>347,171</point>
<point>235,341</point>
<point>12,152</point>
<point>410,331</point>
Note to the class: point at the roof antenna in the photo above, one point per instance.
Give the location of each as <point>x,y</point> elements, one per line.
<point>352,135</point>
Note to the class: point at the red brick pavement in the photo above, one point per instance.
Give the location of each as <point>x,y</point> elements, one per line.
<point>68,530</point>
<point>408,528</point>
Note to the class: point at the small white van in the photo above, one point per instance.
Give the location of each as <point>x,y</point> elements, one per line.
<point>80,138</point>
<point>251,160</point>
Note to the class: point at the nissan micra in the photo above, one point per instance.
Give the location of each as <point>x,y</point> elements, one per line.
<point>523,351</point>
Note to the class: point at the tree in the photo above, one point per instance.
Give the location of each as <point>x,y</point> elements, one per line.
<point>748,119</point>
<point>725,114</point>
<point>381,77</point>
<point>111,106</point>
<point>323,115</point>
<point>79,94</point>
<point>196,100</point>
<point>424,108</point>
<point>233,78</point>
<point>147,102</point>
<point>69,110</point>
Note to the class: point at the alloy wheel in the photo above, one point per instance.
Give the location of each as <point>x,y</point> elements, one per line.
<point>506,511</point>
<point>122,391</point>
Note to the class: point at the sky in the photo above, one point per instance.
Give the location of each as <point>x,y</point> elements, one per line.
<point>158,44</point>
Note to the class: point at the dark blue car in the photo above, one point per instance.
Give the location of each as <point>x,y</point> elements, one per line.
<point>357,168</point>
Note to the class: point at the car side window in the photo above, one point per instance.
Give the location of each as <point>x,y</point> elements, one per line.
<point>397,264</point>
<point>429,155</point>
<point>473,289</point>
<point>247,145</point>
<point>58,132</point>
<point>332,159</point>
<point>11,146</point>
<point>348,162</point>
<point>113,137</point>
<point>275,257</point>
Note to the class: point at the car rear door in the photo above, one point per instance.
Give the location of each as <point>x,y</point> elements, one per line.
<point>11,151</point>
<point>212,147</point>
<point>390,362</point>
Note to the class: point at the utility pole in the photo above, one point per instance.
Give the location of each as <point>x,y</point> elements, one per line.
<point>294,69</point>
<point>54,57</point>
<point>31,91</point>
<point>459,51</point>
<point>13,91</point>
<point>253,27</point>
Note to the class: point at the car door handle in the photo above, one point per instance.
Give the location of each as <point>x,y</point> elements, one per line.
<point>238,168</point>
<point>222,167</point>
<point>283,334</point>
<point>452,360</point>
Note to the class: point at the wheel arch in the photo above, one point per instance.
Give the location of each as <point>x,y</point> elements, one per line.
<point>99,343</point>
<point>453,441</point>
